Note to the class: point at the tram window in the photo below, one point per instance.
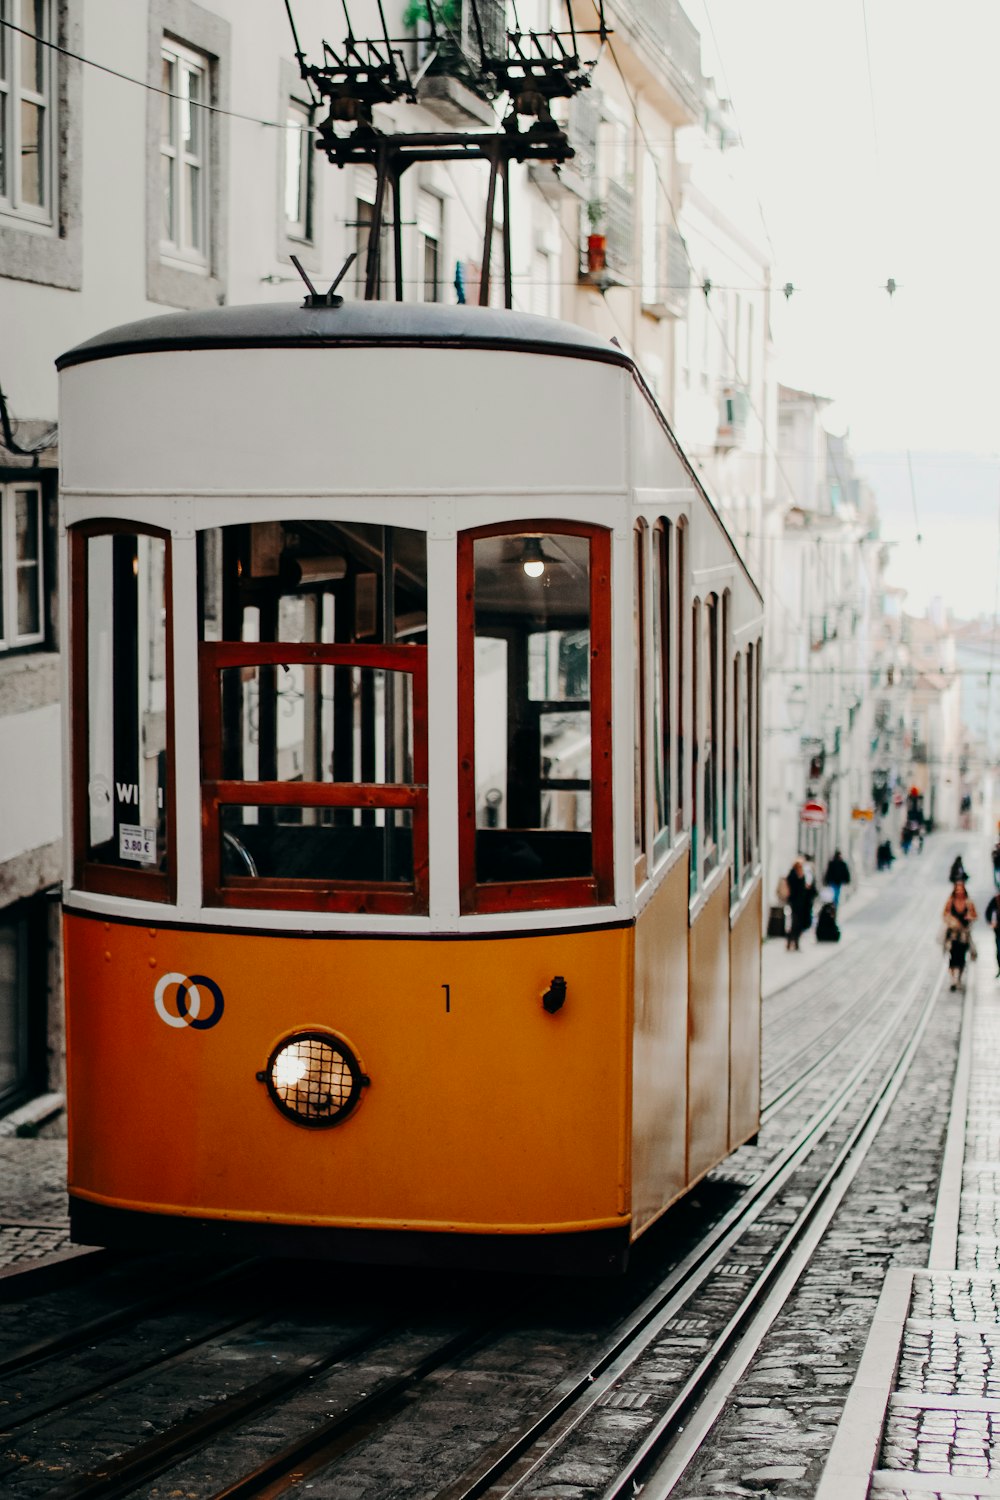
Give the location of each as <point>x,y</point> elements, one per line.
<point>279,724</point>
<point>739,761</point>
<point>122,759</point>
<point>725,731</point>
<point>683,670</point>
<point>534,696</point>
<point>314,715</point>
<point>639,698</point>
<point>710,743</point>
<point>753,720</point>
<point>661,685</point>
<point>696,694</point>
<point>365,847</point>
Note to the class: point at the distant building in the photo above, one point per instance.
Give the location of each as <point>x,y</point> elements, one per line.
<point>823,581</point>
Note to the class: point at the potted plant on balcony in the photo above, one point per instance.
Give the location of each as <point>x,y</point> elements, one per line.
<point>597,239</point>
<point>447,18</point>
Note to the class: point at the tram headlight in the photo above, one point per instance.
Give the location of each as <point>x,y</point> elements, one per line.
<point>313,1078</point>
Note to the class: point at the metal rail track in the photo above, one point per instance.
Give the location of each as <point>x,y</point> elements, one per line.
<point>515,1461</point>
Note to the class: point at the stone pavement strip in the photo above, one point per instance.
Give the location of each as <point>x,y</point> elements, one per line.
<point>923,1417</point>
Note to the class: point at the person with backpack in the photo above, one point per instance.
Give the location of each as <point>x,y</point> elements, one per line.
<point>837,876</point>
<point>801,895</point>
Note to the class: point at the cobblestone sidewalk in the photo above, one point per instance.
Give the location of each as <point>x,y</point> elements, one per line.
<point>927,1395</point>
<point>33,1214</point>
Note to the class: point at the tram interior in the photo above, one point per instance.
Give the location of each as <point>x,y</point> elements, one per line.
<point>313,581</point>
<point>326,582</point>
<point>352,722</point>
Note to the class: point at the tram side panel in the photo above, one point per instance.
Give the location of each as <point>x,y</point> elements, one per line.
<point>708,1034</point>
<point>484,1113</point>
<point>659,1055</point>
<point>745,1020</point>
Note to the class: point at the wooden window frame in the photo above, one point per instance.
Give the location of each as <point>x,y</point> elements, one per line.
<point>663,587</point>
<point>640,534</point>
<point>739,761</point>
<point>89,875</point>
<point>534,895</point>
<point>709,661</point>
<point>683,739</point>
<point>279,893</point>
<point>725,726</point>
<point>695,821</point>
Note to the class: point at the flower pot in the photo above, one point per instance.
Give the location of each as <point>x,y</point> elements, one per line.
<point>597,252</point>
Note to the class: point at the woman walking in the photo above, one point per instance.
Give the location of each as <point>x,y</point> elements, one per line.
<point>959,915</point>
<point>801,894</point>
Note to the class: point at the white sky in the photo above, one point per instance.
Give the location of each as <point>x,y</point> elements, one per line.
<point>859,183</point>
<point>851,199</point>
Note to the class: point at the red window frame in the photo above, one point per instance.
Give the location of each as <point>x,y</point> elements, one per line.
<point>300,894</point>
<point>89,875</point>
<point>533,895</point>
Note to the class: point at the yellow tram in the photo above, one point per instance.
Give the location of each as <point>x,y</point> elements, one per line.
<point>412,900</point>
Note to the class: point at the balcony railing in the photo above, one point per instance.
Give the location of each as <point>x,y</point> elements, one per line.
<point>668,296</point>
<point>665,24</point>
<point>618,227</point>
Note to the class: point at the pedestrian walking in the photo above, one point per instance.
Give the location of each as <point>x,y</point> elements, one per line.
<point>801,895</point>
<point>837,876</point>
<point>992,915</point>
<point>959,915</point>
<point>996,865</point>
<point>958,870</point>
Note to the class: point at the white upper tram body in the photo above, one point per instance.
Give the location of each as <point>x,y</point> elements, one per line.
<point>433,419</point>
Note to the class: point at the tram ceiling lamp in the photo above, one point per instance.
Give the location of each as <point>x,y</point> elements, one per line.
<point>533,559</point>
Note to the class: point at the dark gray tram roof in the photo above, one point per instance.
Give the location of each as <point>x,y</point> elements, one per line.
<point>288,325</point>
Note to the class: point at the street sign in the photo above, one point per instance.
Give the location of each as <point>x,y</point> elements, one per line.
<point>813,812</point>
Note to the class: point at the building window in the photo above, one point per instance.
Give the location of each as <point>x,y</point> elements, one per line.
<point>187,154</point>
<point>184,155</point>
<point>22,614</point>
<point>26,110</point>
<point>298,171</point>
<point>430,220</point>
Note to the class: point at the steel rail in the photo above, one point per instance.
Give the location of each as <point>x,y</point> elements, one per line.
<point>126,1471</point>
<point>131,1312</point>
<point>709,1387</point>
<point>580,1393</point>
<point>87,1392</point>
<point>858,965</point>
<point>862,1006</point>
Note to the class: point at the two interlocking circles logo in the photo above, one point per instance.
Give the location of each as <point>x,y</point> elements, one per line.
<point>184,1006</point>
